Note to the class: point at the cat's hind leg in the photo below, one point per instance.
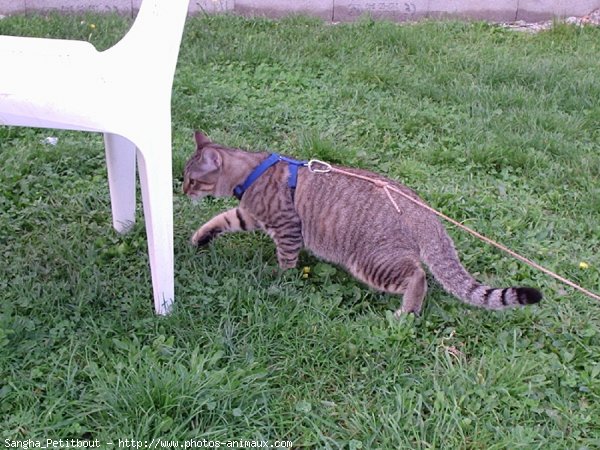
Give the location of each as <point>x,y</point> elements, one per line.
<point>398,276</point>
<point>415,288</point>
<point>395,275</point>
<point>235,219</point>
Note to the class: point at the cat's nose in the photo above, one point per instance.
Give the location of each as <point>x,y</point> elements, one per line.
<point>186,186</point>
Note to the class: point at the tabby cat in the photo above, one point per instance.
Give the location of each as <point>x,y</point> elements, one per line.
<point>341,219</point>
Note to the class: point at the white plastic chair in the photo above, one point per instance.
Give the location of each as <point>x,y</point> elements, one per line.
<point>123,92</point>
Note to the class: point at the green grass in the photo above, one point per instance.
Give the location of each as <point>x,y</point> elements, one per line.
<point>495,128</point>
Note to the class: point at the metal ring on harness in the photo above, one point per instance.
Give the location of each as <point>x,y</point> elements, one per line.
<point>325,167</point>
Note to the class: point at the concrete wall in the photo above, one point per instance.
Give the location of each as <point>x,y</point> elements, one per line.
<point>502,10</point>
<point>535,10</point>
<point>337,10</point>
<point>129,7</point>
<point>280,8</point>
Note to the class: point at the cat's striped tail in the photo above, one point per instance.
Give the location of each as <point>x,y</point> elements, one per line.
<point>443,263</point>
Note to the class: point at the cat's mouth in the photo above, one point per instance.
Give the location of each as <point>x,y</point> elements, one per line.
<point>197,197</point>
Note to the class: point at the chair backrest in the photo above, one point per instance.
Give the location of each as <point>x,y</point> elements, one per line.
<point>157,26</point>
<point>43,81</point>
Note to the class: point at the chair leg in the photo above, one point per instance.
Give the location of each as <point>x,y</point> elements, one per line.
<point>120,161</point>
<point>156,180</point>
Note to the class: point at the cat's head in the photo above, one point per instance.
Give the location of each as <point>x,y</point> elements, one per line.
<point>203,169</point>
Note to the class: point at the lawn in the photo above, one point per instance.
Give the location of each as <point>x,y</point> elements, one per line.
<point>498,129</point>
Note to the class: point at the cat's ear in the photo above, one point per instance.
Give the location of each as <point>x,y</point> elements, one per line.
<point>211,160</point>
<point>201,139</point>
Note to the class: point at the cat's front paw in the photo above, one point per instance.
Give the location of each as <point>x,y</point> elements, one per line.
<point>399,313</point>
<point>202,237</point>
<point>285,264</point>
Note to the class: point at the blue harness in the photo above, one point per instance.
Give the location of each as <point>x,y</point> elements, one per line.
<point>274,158</point>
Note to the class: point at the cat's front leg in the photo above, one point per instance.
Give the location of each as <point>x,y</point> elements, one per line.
<point>233,220</point>
<point>288,240</point>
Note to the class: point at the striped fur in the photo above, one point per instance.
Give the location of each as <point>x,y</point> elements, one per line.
<point>343,220</point>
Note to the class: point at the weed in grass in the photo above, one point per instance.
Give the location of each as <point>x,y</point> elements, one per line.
<point>495,128</point>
